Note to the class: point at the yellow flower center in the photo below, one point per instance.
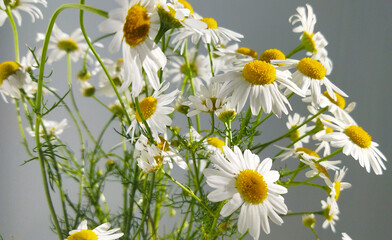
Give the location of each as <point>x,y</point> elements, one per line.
<point>7,68</point>
<point>83,235</point>
<point>294,135</point>
<point>137,25</point>
<point>358,136</point>
<point>272,54</point>
<point>312,68</point>
<point>252,187</point>
<point>340,101</point>
<point>211,23</point>
<point>216,142</point>
<point>187,5</point>
<point>147,107</point>
<point>307,151</point>
<point>213,100</point>
<point>307,41</point>
<point>163,145</point>
<point>226,116</point>
<point>68,45</point>
<point>247,51</point>
<point>259,72</point>
<point>321,169</point>
<point>337,190</point>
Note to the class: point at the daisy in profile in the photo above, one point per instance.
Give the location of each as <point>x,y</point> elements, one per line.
<point>331,212</point>
<point>136,24</point>
<point>231,56</point>
<point>101,232</point>
<point>314,43</point>
<point>248,184</point>
<point>208,99</point>
<point>62,43</point>
<point>155,111</point>
<point>21,5</point>
<point>294,121</point>
<point>318,168</point>
<point>337,185</point>
<point>310,73</point>
<point>14,77</point>
<point>355,142</point>
<point>52,128</point>
<point>161,152</point>
<point>258,80</point>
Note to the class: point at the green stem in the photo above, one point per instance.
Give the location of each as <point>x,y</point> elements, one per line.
<point>211,63</point>
<point>295,50</point>
<point>315,234</point>
<point>302,213</point>
<point>15,31</point>
<point>22,133</point>
<point>244,123</point>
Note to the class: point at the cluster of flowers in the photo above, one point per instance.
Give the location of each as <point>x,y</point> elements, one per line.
<point>220,83</point>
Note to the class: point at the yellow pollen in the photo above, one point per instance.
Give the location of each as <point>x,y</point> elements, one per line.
<point>312,68</point>
<point>7,68</point>
<point>216,142</point>
<point>211,23</point>
<point>272,54</point>
<point>252,187</point>
<point>358,136</point>
<point>307,151</point>
<point>187,5</point>
<point>247,51</point>
<point>322,169</point>
<point>137,25</point>
<point>340,101</point>
<point>259,72</point>
<point>213,100</point>
<point>307,41</point>
<point>68,45</point>
<point>337,190</point>
<point>83,235</point>
<point>147,107</point>
<point>294,135</point>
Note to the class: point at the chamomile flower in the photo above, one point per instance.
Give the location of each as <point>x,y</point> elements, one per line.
<point>165,153</point>
<point>101,232</point>
<point>294,121</point>
<point>258,80</point>
<point>337,185</point>
<point>116,72</point>
<point>62,43</point>
<point>310,73</point>
<point>226,113</point>
<point>248,184</point>
<point>209,145</point>
<point>21,5</point>
<point>208,99</point>
<point>199,66</point>
<point>356,142</point>
<point>331,212</point>
<point>136,24</point>
<point>52,128</point>
<point>314,43</point>
<point>318,168</point>
<point>231,56</point>
<point>155,111</point>
<point>205,29</point>
<point>13,77</point>
<point>296,152</point>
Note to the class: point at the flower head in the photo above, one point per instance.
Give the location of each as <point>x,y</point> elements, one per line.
<point>21,5</point>
<point>101,232</point>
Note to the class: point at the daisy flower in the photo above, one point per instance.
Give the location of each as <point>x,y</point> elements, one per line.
<point>162,153</point>
<point>155,111</point>
<point>226,113</point>
<point>250,185</point>
<point>337,185</point>
<point>296,152</point>
<point>21,5</point>
<point>116,71</point>
<point>232,55</point>
<point>62,43</point>
<point>209,146</point>
<point>205,29</point>
<point>101,232</point>
<point>294,121</point>
<point>12,78</point>
<point>355,142</point>
<point>52,128</point>
<point>207,99</point>
<point>318,168</point>
<point>199,65</point>
<point>311,74</point>
<point>258,80</point>
<point>314,43</point>
<point>331,212</point>
<point>136,24</point>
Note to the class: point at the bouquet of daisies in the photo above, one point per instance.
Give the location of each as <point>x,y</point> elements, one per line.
<point>187,103</point>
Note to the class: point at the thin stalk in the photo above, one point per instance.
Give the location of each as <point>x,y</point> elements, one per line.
<point>211,63</point>
<point>22,133</point>
<point>15,31</point>
<point>295,50</point>
<point>302,213</point>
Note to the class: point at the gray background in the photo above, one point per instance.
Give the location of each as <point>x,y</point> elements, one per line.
<point>359,34</point>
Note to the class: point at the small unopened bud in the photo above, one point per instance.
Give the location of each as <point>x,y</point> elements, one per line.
<point>88,91</point>
<point>110,163</point>
<point>84,75</point>
<point>172,212</point>
<point>176,129</point>
<point>227,115</point>
<point>100,172</point>
<point>223,226</point>
<point>117,110</point>
<point>308,220</point>
<point>183,109</point>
